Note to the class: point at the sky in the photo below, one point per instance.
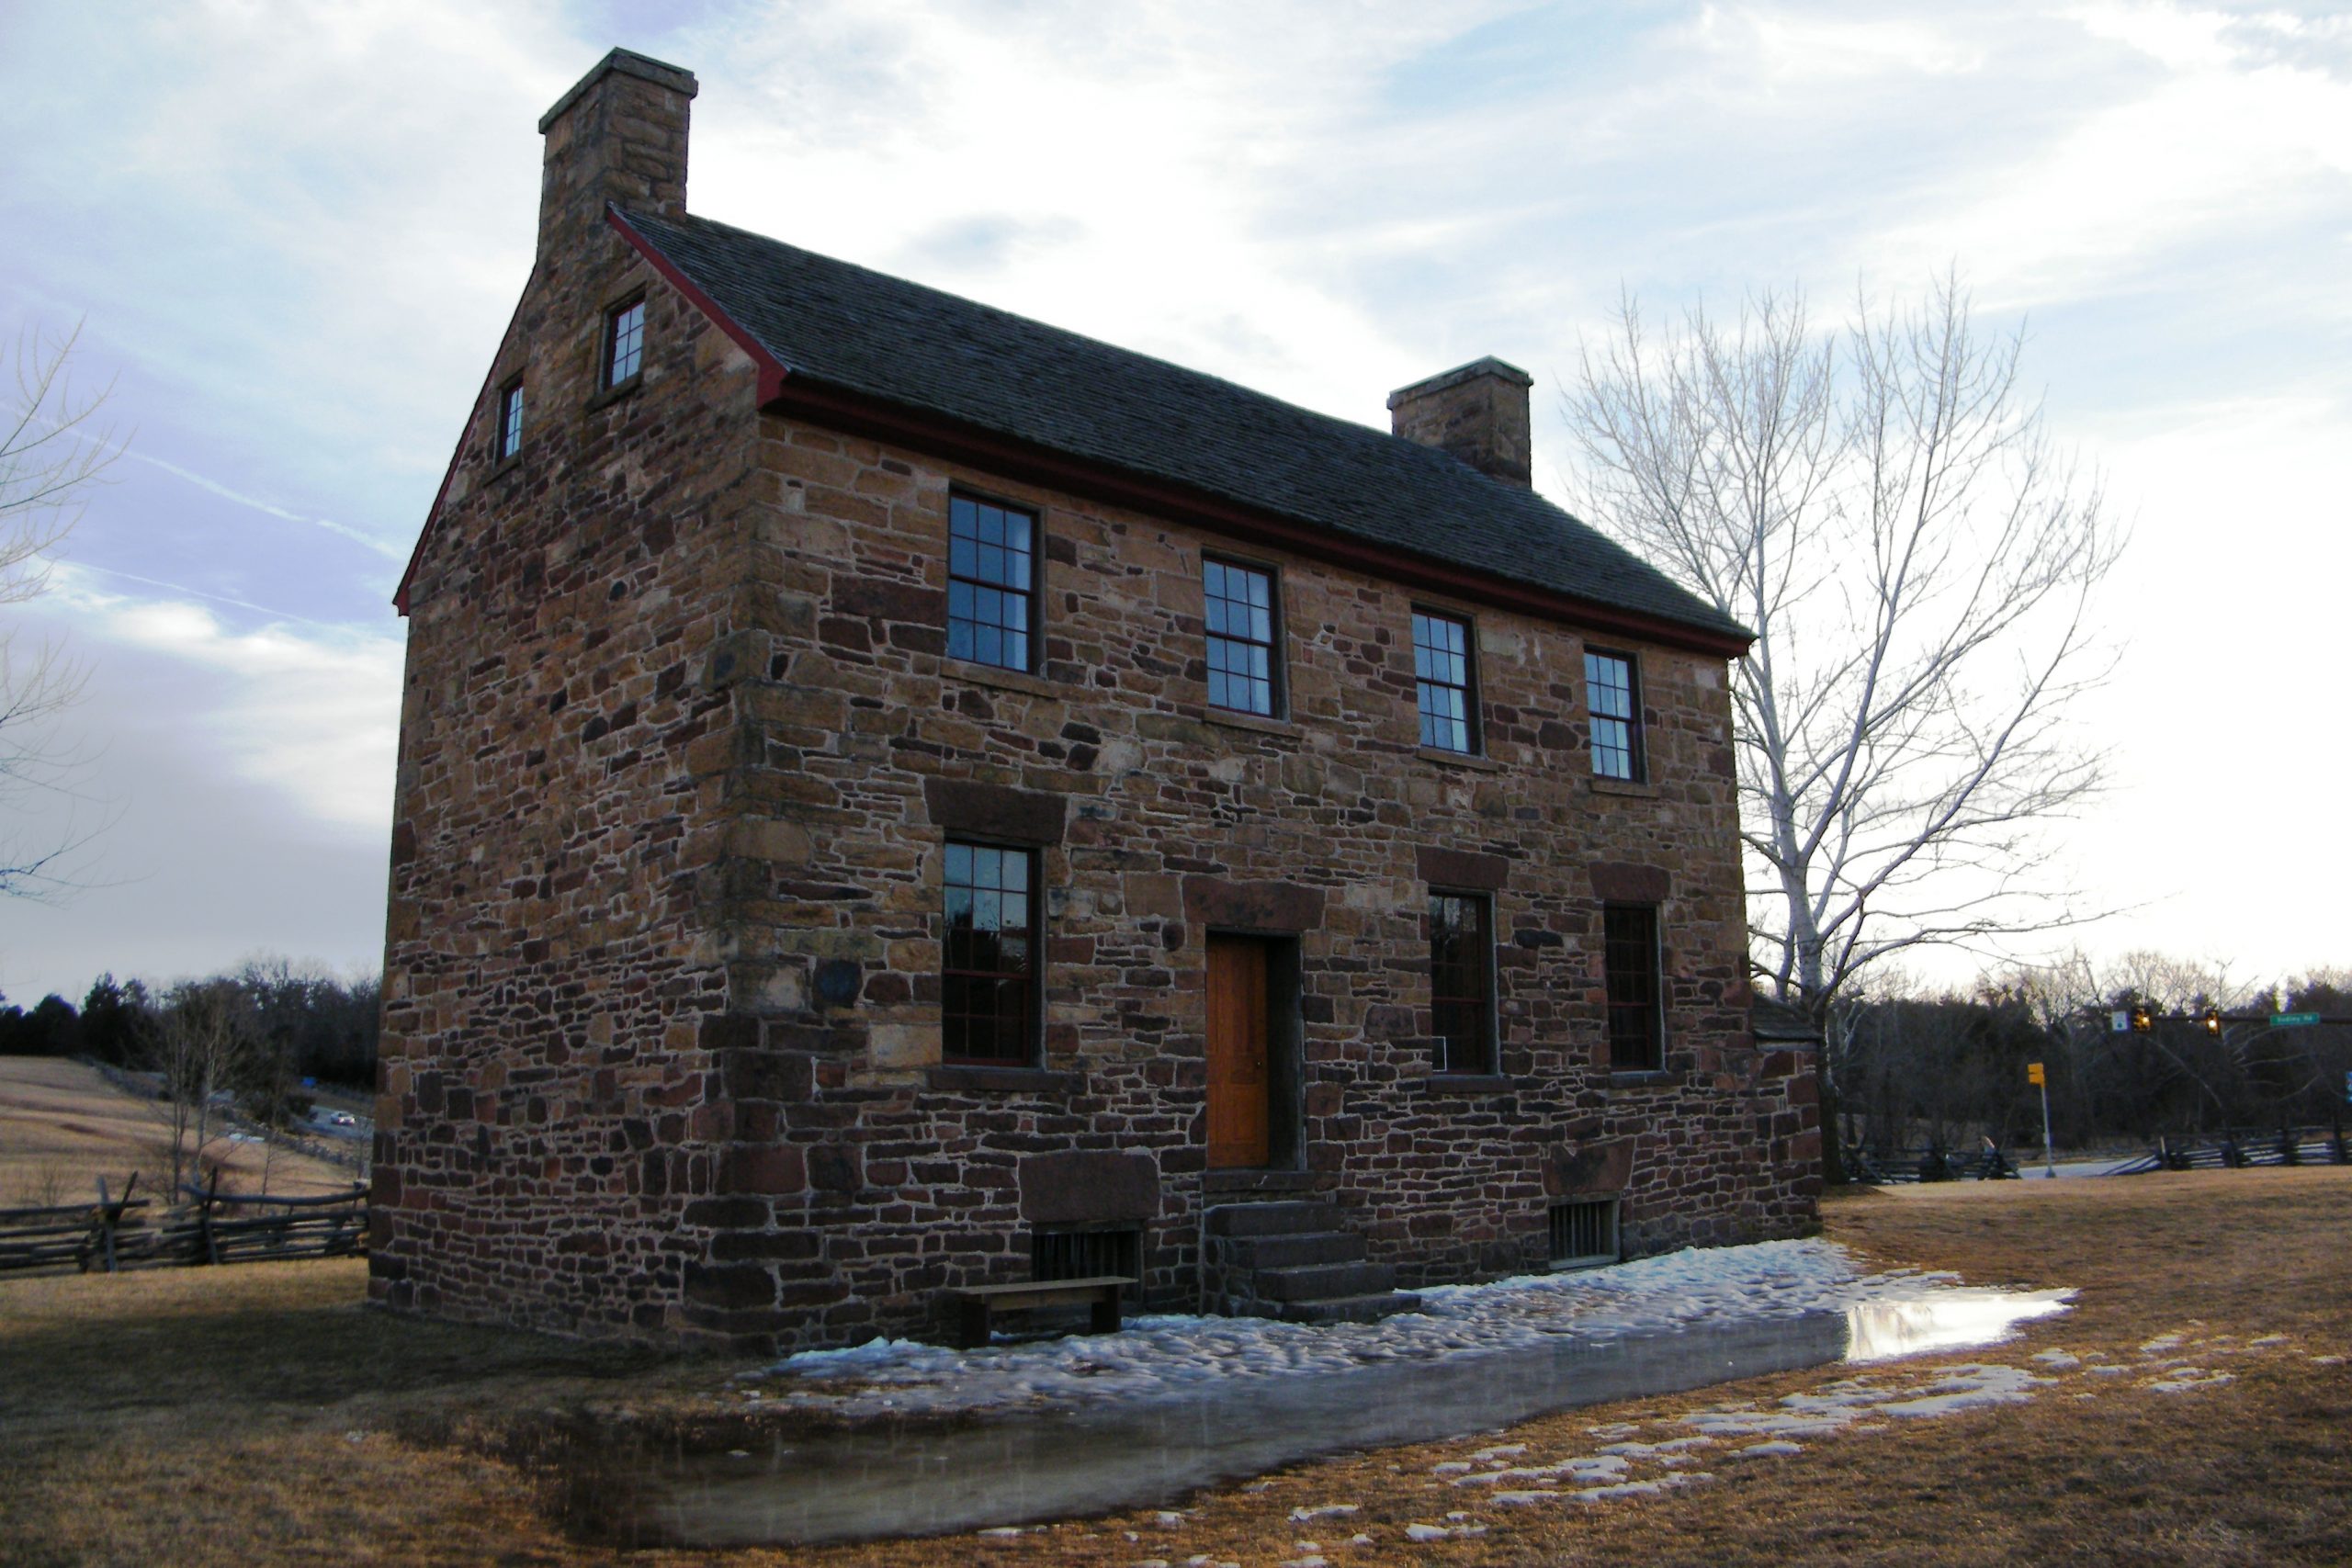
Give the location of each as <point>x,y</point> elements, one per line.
<point>292,235</point>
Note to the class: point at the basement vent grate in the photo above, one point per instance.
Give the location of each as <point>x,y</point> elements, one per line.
<point>1583,1235</point>
<point>1085,1255</point>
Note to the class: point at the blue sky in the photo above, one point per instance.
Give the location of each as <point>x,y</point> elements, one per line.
<point>294,232</point>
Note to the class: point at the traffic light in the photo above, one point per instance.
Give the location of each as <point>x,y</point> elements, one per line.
<point>2142,1020</point>
<point>2213,1022</point>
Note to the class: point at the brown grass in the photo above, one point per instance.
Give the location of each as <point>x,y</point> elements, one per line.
<point>63,1126</point>
<point>258,1414</point>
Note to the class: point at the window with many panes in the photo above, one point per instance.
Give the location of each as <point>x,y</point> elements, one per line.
<point>991,580</point>
<point>1446,681</point>
<point>1611,695</point>
<point>988,961</point>
<point>624,342</point>
<point>1630,958</point>
<point>509,439</point>
<point>1462,968</point>
<point>1243,669</point>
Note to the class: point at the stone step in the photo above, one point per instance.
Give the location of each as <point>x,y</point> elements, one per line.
<point>1294,1250</point>
<point>1351,1309</point>
<point>1322,1282</point>
<point>1268,1219</point>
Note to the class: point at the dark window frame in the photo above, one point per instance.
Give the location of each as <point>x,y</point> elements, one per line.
<point>1474,733</point>
<point>1031,598</point>
<point>506,421</point>
<point>1637,758</point>
<point>1598,1223</point>
<point>609,373</point>
<point>1636,992</point>
<point>1029,990</point>
<point>1484,1048</point>
<point>1277,686</point>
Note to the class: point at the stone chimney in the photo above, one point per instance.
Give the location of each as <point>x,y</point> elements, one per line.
<point>618,136</point>
<point>1478,414</point>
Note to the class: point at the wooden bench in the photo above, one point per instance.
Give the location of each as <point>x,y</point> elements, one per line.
<point>976,1303</point>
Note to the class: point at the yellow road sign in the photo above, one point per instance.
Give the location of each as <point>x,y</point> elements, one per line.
<point>2033,1073</point>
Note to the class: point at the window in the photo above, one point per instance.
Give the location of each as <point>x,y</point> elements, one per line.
<point>990,562</point>
<point>1443,671</point>
<point>1067,1253</point>
<point>1584,1234</point>
<point>1616,718</point>
<point>1461,981</point>
<point>1240,602</point>
<point>509,438</point>
<point>988,961</point>
<point>1629,954</point>
<point>624,343</point>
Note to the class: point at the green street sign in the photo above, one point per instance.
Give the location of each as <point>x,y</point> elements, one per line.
<point>2292,1019</point>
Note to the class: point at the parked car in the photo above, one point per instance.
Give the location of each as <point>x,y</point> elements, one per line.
<point>344,1119</point>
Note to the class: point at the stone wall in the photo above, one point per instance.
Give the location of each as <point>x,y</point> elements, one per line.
<point>1157,819</point>
<point>548,1115</point>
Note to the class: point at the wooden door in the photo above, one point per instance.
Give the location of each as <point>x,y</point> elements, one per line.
<point>1239,1090</point>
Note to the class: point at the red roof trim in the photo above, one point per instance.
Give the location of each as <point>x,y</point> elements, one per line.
<point>771,371</point>
<point>860,415</point>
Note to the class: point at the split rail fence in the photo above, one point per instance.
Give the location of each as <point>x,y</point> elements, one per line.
<point>2236,1150</point>
<point>210,1226</point>
<point>1885,1168</point>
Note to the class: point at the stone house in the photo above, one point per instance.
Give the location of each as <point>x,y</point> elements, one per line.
<point>893,795</point>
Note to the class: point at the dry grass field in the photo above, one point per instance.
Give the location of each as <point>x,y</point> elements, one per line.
<point>258,1414</point>
<point>63,1126</point>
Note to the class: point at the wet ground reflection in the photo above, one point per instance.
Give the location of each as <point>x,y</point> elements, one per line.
<point>1020,1469</point>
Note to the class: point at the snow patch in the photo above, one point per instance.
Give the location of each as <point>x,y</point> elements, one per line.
<point>1170,1354</point>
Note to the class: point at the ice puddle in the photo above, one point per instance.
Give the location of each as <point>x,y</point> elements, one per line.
<point>1086,1424</point>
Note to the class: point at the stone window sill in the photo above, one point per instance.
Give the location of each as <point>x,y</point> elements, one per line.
<point>1470,760</point>
<point>1468,1083</point>
<point>1005,1080</point>
<point>1002,680</point>
<point>506,465</point>
<point>1646,1079</point>
<point>1234,719</point>
<point>617,391</point>
<point>1627,787</point>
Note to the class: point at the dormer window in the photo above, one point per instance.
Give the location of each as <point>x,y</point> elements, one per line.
<point>508,440</point>
<point>624,343</point>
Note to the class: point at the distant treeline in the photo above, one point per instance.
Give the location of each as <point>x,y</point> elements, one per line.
<point>1947,1069</point>
<point>288,1022</point>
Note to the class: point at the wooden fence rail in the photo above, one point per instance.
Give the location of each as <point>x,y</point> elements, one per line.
<point>211,1227</point>
<point>1884,1167</point>
<point>2236,1150</point>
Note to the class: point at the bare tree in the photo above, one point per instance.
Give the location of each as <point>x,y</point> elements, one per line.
<point>1882,506</point>
<point>50,452</point>
<point>203,1048</point>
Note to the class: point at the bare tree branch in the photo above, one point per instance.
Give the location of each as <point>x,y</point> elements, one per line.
<point>51,452</point>
<point>1884,508</point>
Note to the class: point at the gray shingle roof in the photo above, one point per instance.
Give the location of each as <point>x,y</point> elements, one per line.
<point>866,333</point>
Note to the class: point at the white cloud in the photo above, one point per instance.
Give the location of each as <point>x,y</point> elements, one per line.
<point>311,714</point>
<point>2217,143</point>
